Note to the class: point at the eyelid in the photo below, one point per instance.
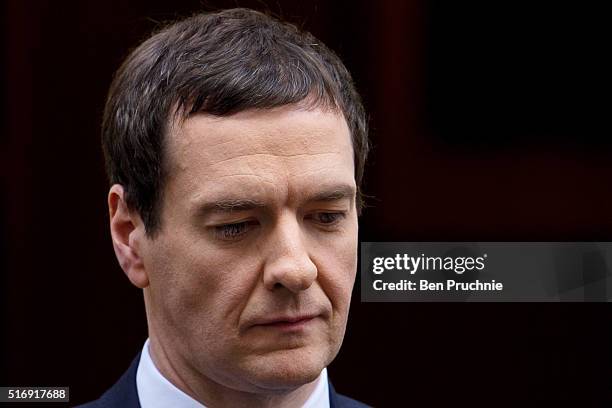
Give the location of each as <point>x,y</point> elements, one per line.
<point>335,213</point>
<point>233,231</point>
<point>227,219</point>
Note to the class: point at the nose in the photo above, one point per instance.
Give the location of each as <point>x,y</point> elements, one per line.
<point>288,264</point>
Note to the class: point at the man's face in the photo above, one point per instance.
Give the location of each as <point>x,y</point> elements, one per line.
<point>252,271</point>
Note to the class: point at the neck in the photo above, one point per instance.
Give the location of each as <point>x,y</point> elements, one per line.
<point>213,394</point>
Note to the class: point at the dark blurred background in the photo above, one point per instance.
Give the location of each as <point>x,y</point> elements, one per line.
<point>487,124</point>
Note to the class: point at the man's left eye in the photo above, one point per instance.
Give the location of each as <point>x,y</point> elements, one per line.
<point>328,218</point>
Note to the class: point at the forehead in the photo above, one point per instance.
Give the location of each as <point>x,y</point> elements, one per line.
<point>282,151</point>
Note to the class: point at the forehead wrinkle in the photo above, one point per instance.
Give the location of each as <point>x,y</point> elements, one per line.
<point>321,171</point>
<point>287,156</point>
<point>214,191</point>
<point>278,178</point>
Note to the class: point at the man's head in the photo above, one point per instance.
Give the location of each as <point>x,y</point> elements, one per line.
<point>219,63</point>
<point>235,145</point>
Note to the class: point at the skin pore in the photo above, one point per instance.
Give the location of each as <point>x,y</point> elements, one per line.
<point>248,283</point>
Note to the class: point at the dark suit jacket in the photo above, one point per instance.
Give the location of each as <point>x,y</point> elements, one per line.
<point>124,395</point>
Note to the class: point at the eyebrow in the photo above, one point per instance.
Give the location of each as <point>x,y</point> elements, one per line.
<point>334,194</point>
<point>228,205</point>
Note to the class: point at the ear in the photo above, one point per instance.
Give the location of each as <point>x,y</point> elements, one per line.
<point>127,231</point>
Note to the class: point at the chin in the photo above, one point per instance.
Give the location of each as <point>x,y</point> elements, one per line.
<point>287,370</point>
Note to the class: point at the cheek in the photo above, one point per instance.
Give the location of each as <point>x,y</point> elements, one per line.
<point>198,289</point>
<point>337,263</point>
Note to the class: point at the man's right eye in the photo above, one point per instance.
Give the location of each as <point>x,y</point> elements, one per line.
<point>229,232</point>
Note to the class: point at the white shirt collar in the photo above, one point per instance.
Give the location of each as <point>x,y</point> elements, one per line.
<point>155,391</point>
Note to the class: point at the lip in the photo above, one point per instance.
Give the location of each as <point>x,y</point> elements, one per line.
<point>285,323</point>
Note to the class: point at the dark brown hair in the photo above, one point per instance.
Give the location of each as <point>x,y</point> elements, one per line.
<point>219,63</point>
